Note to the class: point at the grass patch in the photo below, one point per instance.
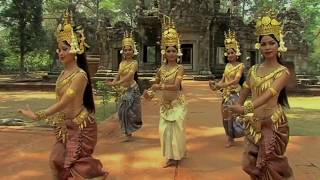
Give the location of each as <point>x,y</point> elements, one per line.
<point>11,101</point>
<point>104,111</point>
<point>304,116</point>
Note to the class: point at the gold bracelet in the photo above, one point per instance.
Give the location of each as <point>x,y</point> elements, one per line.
<point>248,107</point>
<point>41,115</point>
<point>151,94</point>
<point>245,85</point>
<point>273,91</point>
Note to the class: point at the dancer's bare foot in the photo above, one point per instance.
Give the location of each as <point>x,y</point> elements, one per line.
<point>170,163</point>
<point>230,143</point>
<point>126,138</point>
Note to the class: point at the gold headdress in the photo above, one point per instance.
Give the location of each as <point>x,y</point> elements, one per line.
<point>128,40</point>
<point>230,42</point>
<point>268,24</point>
<point>170,36</point>
<point>74,36</point>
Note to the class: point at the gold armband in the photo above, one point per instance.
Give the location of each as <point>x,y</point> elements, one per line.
<point>273,91</point>
<point>245,85</point>
<point>248,107</point>
<point>41,115</point>
<point>71,92</point>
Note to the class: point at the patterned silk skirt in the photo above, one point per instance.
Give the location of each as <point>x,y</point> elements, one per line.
<point>129,110</point>
<point>229,122</point>
<point>72,158</point>
<point>264,157</point>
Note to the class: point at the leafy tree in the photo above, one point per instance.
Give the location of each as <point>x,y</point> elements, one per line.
<point>23,20</point>
<point>309,11</point>
<point>122,10</point>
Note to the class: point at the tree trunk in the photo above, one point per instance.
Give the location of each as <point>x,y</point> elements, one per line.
<point>22,54</point>
<point>22,49</point>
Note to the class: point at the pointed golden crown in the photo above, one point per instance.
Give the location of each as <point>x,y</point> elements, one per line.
<point>73,36</point>
<point>170,36</point>
<point>268,24</point>
<point>128,39</point>
<point>230,42</point>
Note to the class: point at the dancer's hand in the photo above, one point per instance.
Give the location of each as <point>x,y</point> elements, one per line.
<point>147,94</point>
<point>155,87</point>
<point>211,84</point>
<point>219,85</point>
<point>236,109</point>
<point>28,113</point>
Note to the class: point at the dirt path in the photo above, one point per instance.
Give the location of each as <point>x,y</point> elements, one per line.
<point>24,153</point>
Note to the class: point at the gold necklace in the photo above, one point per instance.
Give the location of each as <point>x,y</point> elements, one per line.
<point>126,65</point>
<point>66,80</point>
<point>167,72</point>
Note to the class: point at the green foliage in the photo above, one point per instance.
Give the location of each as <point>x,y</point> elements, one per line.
<point>106,92</point>
<point>309,11</point>
<point>35,61</point>
<point>38,60</point>
<point>3,55</point>
<point>23,19</point>
<point>314,62</point>
<point>121,10</point>
<point>251,8</point>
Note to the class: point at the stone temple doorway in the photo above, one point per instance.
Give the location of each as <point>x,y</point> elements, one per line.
<point>187,57</point>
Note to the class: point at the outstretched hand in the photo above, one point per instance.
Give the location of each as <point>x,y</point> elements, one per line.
<point>213,85</point>
<point>28,112</point>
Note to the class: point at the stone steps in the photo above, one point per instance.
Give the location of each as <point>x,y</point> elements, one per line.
<point>38,86</point>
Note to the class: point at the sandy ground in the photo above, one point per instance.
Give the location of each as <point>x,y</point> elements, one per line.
<point>24,152</point>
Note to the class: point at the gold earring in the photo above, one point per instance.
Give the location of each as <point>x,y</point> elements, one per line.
<point>164,60</point>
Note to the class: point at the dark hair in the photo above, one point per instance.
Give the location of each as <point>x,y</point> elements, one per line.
<point>283,98</point>
<point>136,77</point>
<point>88,101</point>
<point>242,78</point>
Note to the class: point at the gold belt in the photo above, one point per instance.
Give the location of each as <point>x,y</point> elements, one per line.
<point>170,104</point>
<point>58,120</point>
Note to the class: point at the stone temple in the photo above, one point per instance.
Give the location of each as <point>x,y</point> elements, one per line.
<point>201,24</point>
